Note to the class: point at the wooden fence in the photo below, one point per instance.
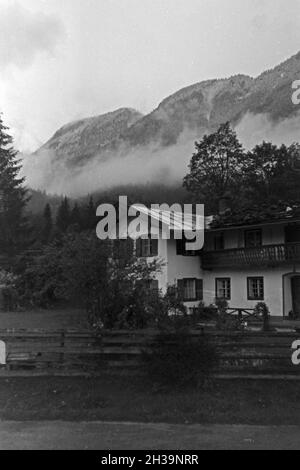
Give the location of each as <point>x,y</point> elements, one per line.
<point>120,351</point>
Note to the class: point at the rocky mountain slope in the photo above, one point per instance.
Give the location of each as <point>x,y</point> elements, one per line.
<point>193,110</point>
<point>77,142</point>
<point>204,106</point>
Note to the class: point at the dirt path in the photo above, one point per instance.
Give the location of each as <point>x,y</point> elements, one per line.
<point>123,436</point>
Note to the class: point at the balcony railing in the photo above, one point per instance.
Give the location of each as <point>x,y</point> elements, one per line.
<point>269,255</point>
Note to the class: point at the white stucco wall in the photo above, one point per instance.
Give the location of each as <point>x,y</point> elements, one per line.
<point>276,286</point>
<point>162,276</point>
<point>277,283</point>
<point>176,267</point>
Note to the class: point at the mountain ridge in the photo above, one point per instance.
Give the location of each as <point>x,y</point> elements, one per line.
<point>193,110</point>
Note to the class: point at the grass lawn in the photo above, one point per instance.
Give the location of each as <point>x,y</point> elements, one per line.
<point>129,399</point>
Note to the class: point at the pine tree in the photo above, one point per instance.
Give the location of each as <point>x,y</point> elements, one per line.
<point>47,224</point>
<point>90,220</point>
<point>75,217</point>
<point>63,215</point>
<point>12,197</point>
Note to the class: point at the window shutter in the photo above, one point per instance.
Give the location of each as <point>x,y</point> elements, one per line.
<point>180,287</point>
<point>154,247</point>
<point>199,289</point>
<point>180,247</point>
<point>139,248</point>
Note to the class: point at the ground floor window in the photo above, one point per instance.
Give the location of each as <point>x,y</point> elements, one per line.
<point>191,289</point>
<point>149,284</point>
<point>256,288</point>
<point>223,288</point>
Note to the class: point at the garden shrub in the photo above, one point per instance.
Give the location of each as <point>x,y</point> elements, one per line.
<point>262,310</point>
<point>204,313</point>
<point>178,359</point>
<point>226,321</point>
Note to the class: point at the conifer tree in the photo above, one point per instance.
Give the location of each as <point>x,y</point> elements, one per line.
<point>12,197</point>
<point>47,224</point>
<point>75,217</point>
<point>63,215</point>
<point>90,219</point>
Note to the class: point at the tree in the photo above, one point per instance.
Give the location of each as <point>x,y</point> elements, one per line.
<point>273,174</point>
<point>63,215</point>
<point>89,216</point>
<point>80,268</point>
<point>215,168</point>
<point>75,217</point>
<point>47,224</point>
<point>12,197</point>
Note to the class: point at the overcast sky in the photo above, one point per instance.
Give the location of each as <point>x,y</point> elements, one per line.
<point>62,60</point>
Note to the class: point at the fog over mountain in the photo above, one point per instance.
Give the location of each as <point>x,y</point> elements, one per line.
<point>124,147</point>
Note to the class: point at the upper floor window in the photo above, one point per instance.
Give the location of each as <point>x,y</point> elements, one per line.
<point>191,290</point>
<point>146,248</point>
<point>181,248</point>
<point>219,241</point>
<point>292,233</point>
<point>223,288</point>
<point>255,288</point>
<point>253,238</point>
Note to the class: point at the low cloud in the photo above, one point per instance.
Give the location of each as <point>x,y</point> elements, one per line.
<point>151,164</point>
<point>254,128</point>
<point>25,34</point>
<point>139,166</point>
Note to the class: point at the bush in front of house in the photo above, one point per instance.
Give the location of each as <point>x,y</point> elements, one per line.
<point>262,310</point>
<point>179,359</point>
<point>225,320</point>
<point>204,313</point>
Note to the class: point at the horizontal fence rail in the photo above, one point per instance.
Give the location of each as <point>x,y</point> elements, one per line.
<point>268,255</point>
<point>121,351</point>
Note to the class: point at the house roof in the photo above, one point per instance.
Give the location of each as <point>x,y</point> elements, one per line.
<point>173,221</point>
<point>251,217</point>
<point>265,214</point>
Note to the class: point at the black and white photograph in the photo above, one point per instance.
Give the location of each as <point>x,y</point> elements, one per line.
<point>149,228</point>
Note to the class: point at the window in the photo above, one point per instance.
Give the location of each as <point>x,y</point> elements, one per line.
<point>146,248</point>
<point>223,288</point>
<point>219,242</point>
<point>256,288</point>
<point>292,233</point>
<point>181,248</point>
<point>253,238</point>
<point>191,290</point>
<point>150,284</point>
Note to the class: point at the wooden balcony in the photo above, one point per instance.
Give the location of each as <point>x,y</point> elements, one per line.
<point>268,255</point>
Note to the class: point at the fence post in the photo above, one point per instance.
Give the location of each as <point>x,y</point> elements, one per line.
<point>2,353</point>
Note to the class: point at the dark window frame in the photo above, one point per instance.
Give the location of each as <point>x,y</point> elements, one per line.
<point>152,253</point>
<point>256,278</point>
<point>222,279</point>
<point>217,238</point>
<point>182,251</point>
<point>198,289</point>
<point>247,232</point>
<point>149,284</point>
